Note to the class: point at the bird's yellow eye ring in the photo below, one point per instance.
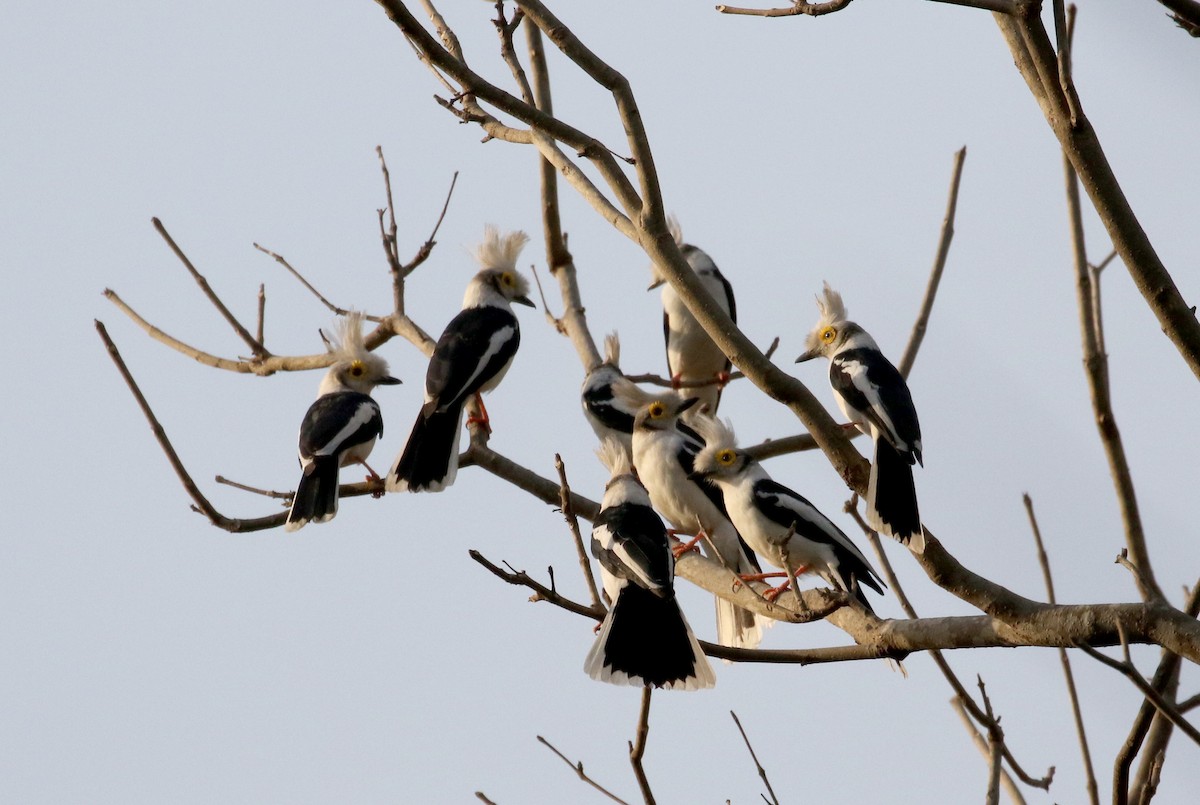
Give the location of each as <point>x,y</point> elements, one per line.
<point>725,457</point>
<point>357,369</point>
<point>657,409</point>
<point>828,334</point>
<point>507,278</point>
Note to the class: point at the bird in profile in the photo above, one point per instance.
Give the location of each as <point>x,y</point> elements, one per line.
<point>874,396</point>
<point>663,454</point>
<point>610,399</point>
<point>697,366</point>
<point>471,357</point>
<point>779,524</point>
<point>341,426</point>
<point>645,638</point>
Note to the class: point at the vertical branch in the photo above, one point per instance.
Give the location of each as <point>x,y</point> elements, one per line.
<point>761,771</point>
<point>573,523</point>
<point>1092,789</point>
<point>1096,365</point>
<point>638,749</point>
<point>262,311</point>
<point>558,256</point>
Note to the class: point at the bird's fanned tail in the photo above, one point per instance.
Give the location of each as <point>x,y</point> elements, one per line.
<point>645,640</point>
<point>430,458</point>
<point>316,498</point>
<point>892,497</point>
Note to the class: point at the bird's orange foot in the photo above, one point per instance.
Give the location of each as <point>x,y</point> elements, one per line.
<point>722,379</point>
<point>373,477</point>
<point>775,592</point>
<point>482,419</point>
<point>691,545</point>
<point>676,381</point>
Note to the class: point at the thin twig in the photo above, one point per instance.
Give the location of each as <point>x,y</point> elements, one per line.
<point>578,769</point>
<point>262,311</point>
<point>981,744</point>
<point>479,795</point>
<point>335,309</point>
<point>939,265</point>
<point>255,490</point>
<point>1127,669</point>
<point>255,345</point>
<point>1065,660</point>
<point>637,749</point>
<point>573,523</point>
<point>774,800</point>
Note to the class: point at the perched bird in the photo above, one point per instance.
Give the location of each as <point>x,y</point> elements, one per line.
<point>663,455</point>
<point>471,357</point>
<point>610,399</point>
<point>692,357</point>
<point>780,525</point>
<point>341,427</point>
<point>644,639</point>
<point>872,393</point>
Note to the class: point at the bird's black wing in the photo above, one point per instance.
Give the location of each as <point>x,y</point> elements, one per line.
<point>476,344</point>
<point>871,384</point>
<point>601,402</point>
<point>338,421</point>
<point>630,541</point>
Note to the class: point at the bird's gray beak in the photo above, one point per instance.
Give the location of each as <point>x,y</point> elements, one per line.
<point>655,284</point>
<point>688,403</point>
<point>807,356</point>
<point>388,380</point>
<point>524,300</point>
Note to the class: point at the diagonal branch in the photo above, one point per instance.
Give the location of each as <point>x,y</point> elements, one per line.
<point>260,352</point>
<point>637,749</point>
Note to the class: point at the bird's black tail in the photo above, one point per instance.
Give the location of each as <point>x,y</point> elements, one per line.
<point>316,496</point>
<point>645,640</point>
<point>430,458</point>
<point>892,497</point>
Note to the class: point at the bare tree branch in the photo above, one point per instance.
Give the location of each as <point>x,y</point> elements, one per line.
<point>573,524</point>
<point>578,769</point>
<point>981,743</point>
<point>637,749</point>
<point>1076,711</point>
<point>758,766</point>
<point>1185,13</point>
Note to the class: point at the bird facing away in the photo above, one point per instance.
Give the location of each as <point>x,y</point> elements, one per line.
<point>692,357</point>
<point>471,357</point>
<point>341,427</point>
<point>644,639</point>
<point>873,395</point>
<point>780,525</point>
<point>610,399</point>
<point>663,454</point>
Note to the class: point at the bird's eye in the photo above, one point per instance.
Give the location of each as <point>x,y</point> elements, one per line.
<point>507,279</point>
<point>657,409</point>
<point>357,369</point>
<point>726,457</point>
<point>828,334</point>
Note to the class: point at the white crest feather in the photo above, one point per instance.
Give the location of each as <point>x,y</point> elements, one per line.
<point>500,250</point>
<point>831,307</point>
<point>612,349</point>
<point>631,396</point>
<point>347,341</point>
<point>613,455</point>
<point>717,435</point>
<point>675,229</point>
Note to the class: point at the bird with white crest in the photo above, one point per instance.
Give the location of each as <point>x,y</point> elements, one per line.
<point>470,358</point>
<point>341,426</point>
<point>780,525</point>
<point>874,396</point>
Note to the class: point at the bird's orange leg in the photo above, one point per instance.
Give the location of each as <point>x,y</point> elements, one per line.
<point>683,547</point>
<point>483,418</point>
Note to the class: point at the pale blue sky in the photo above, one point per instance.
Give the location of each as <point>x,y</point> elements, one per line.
<point>149,657</point>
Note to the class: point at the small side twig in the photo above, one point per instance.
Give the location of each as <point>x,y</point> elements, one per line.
<point>981,743</point>
<point>221,479</point>
<point>578,769</point>
<point>774,800</point>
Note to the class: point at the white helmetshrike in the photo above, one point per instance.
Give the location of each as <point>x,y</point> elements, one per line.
<point>471,357</point>
<point>872,393</point>
<point>340,427</point>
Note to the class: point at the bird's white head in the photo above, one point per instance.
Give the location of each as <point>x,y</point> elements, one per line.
<point>354,367</point>
<point>661,412</point>
<point>832,330</point>
<point>720,459</point>
<point>498,278</point>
